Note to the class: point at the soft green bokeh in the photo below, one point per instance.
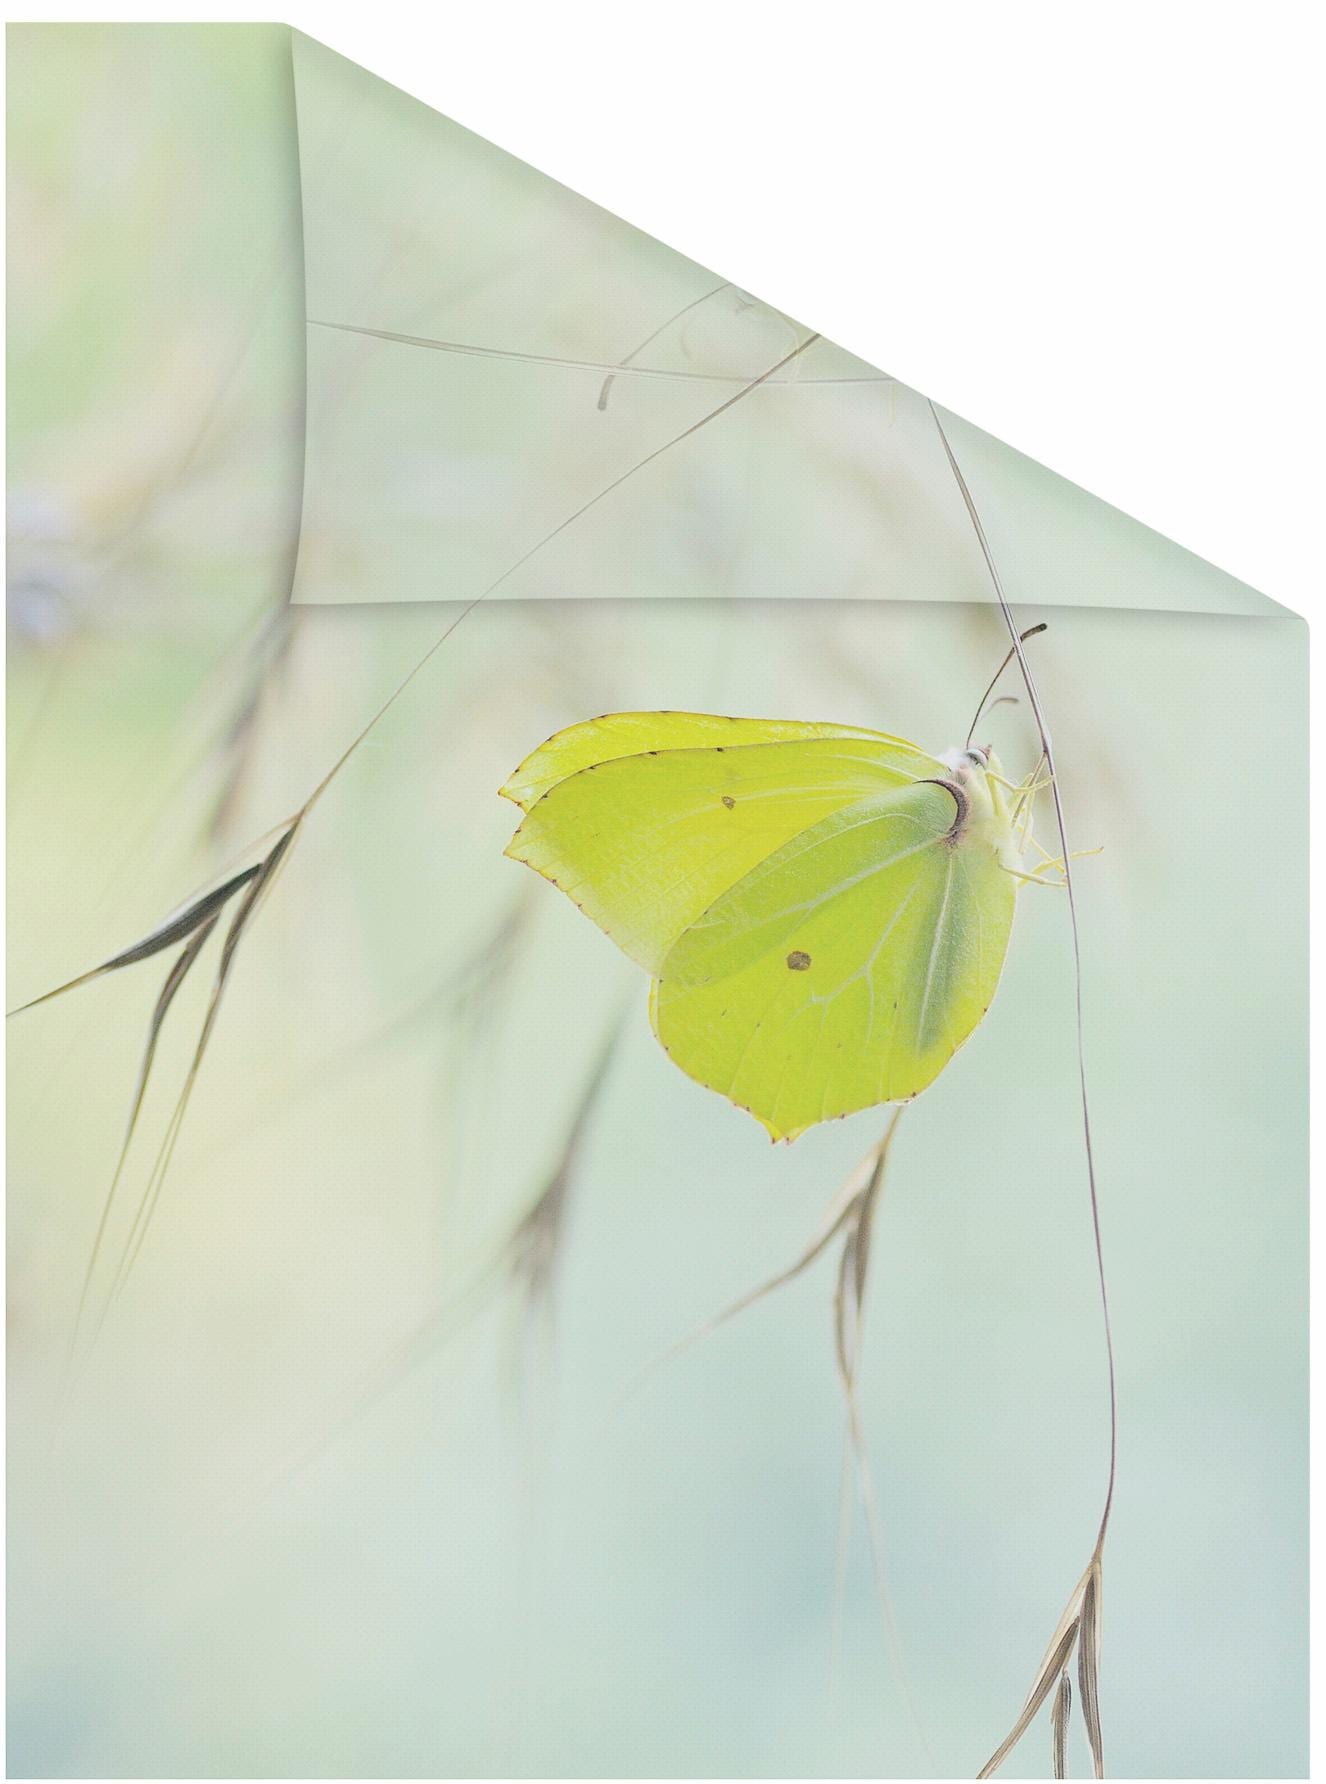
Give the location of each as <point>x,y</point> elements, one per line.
<point>238,1556</point>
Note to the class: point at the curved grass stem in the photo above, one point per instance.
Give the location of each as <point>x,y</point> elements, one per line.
<point>1090,1644</point>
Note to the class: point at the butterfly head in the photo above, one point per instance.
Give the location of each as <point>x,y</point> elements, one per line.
<point>967,757</point>
<point>977,770</point>
<point>971,764</point>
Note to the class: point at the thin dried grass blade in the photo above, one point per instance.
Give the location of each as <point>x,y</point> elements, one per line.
<point>475,988</point>
<point>1088,1668</point>
<point>649,339</point>
<point>840,1561</point>
<point>478,982</point>
<point>1053,1664</point>
<point>174,980</point>
<point>613,369</point>
<point>258,883</point>
<point>1063,1703</point>
<point>840,1210</point>
<point>847,1312</point>
<point>174,929</point>
<point>234,749</point>
<point>438,1327</point>
<point>849,1298</point>
<point>535,1244</point>
<point>836,1216</point>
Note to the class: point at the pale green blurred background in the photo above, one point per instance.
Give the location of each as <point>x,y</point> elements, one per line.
<point>254,1543</point>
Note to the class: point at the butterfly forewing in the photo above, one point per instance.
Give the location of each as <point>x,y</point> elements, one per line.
<point>641,733</point>
<point>646,843</point>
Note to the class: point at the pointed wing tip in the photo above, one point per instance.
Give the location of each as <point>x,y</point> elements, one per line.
<point>515,850</point>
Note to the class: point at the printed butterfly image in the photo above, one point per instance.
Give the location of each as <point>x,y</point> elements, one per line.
<point>824,910</point>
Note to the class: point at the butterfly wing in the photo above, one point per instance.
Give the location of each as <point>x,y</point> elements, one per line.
<point>645,843</point>
<point>617,734</point>
<point>846,968</point>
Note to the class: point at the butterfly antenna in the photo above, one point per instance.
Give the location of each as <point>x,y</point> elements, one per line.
<point>1030,632</point>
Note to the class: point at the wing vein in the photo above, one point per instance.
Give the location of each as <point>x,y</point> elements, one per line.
<point>940,921</point>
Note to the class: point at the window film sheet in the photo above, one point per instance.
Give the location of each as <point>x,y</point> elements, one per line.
<point>421,1362</point>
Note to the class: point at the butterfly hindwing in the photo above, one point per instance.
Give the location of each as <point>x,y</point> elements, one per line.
<point>846,968</point>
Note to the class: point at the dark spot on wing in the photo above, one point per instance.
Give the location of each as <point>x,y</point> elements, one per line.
<point>728,801</point>
<point>797,961</point>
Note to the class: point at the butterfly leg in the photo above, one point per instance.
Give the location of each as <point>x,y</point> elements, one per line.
<point>1043,874</point>
<point>1039,878</point>
<point>1049,861</point>
<point>1035,784</point>
<point>1022,817</point>
<point>1046,858</point>
<point>1025,792</point>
